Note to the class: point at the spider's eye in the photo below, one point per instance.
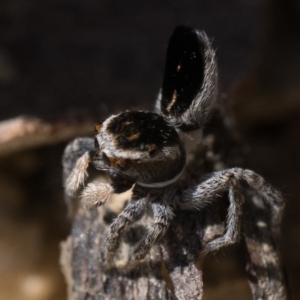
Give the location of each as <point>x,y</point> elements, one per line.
<point>152,150</point>
<point>96,144</point>
<point>106,159</point>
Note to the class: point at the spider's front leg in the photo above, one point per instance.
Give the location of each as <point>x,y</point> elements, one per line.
<point>76,159</point>
<point>77,156</point>
<point>200,196</point>
<point>162,215</point>
<point>131,213</point>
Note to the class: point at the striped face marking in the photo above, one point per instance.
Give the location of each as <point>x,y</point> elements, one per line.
<point>136,137</point>
<point>141,132</point>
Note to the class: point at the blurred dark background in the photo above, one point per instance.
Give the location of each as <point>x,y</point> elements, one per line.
<point>69,63</point>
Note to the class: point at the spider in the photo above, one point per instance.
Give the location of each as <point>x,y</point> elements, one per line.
<point>147,151</point>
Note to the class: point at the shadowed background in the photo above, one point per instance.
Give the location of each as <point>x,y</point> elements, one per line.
<point>66,64</point>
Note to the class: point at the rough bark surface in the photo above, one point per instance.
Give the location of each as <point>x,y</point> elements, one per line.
<point>22,133</point>
<point>264,268</point>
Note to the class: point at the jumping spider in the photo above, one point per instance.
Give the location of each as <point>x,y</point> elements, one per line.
<point>148,151</point>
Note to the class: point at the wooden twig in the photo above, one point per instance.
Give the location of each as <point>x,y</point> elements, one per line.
<point>22,133</point>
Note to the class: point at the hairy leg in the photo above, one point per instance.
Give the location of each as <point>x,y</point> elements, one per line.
<point>131,213</point>
<point>205,193</point>
<point>162,215</point>
<point>76,158</point>
<point>267,192</point>
<point>96,194</point>
<point>74,150</point>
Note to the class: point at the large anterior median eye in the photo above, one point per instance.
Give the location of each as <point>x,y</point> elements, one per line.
<point>152,150</point>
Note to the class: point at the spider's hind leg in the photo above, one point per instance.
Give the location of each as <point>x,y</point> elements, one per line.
<point>190,82</point>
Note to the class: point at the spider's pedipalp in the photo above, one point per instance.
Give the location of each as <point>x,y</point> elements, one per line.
<point>130,214</point>
<point>96,194</point>
<point>162,215</point>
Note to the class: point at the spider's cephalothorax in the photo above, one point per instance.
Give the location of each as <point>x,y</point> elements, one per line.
<point>147,150</point>
<point>135,144</point>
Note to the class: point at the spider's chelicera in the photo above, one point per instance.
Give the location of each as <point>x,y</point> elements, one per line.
<point>147,151</point>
